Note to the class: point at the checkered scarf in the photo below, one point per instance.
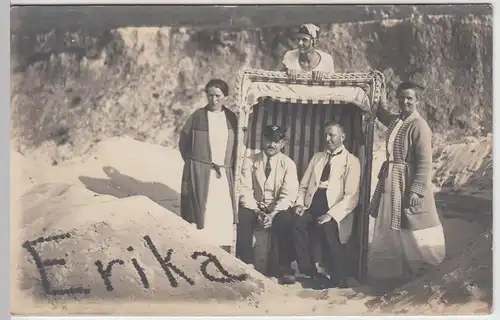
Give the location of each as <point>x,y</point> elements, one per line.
<point>400,171</point>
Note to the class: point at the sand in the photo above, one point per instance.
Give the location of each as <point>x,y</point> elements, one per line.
<point>123,196</point>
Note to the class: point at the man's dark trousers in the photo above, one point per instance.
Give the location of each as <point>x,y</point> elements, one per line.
<point>328,236</point>
<point>281,235</point>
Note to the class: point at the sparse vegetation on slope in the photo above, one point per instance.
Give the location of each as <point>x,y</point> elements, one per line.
<point>71,89</point>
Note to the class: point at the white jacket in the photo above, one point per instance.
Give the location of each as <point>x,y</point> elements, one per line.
<point>253,177</point>
<point>343,188</point>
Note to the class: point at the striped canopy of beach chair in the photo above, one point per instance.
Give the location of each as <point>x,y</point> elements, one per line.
<point>303,107</point>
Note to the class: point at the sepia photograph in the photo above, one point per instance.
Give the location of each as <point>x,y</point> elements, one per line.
<point>251,160</point>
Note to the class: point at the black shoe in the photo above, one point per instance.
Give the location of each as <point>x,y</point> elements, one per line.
<point>340,284</point>
<point>287,279</point>
<point>335,282</point>
<point>317,276</point>
<point>318,281</point>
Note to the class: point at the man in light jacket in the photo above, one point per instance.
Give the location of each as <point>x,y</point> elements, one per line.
<point>269,185</point>
<point>327,196</point>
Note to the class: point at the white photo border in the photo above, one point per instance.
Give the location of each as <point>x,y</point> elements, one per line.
<point>5,125</point>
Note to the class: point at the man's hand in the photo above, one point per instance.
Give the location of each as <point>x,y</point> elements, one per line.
<point>262,207</point>
<point>323,218</point>
<point>413,199</point>
<point>298,210</point>
<point>267,220</point>
<point>318,75</point>
<point>292,74</point>
<point>258,213</point>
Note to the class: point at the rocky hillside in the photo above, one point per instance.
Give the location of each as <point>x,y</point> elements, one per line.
<point>75,86</point>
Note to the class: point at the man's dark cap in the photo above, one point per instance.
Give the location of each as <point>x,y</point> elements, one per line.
<point>274,133</point>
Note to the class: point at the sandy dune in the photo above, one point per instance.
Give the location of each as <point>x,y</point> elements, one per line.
<point>134,232</point>
<point>124,190</point>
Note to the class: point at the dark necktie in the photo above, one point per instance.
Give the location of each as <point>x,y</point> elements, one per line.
<point>325,175</point>
<point>268,167</point>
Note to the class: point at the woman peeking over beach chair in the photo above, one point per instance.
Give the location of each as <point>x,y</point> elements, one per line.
<point>307,57</point>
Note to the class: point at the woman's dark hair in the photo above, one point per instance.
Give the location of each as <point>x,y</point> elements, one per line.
<point>218,83</point>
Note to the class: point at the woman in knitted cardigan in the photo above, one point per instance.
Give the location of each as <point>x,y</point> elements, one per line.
<point>408,236</point>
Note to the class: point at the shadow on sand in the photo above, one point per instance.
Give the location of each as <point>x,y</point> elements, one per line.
<point>475,272</point>
<point>122,186</point>
<point>441,283</point>
<point>465,207</point>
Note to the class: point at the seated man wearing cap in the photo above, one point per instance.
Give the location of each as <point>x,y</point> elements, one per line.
<point>327,196</point>
<point>307,57</point>
<point>269,185</point>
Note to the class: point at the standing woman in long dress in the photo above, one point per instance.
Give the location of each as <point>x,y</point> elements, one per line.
<point>208,146</point>
<point>408,237</point>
